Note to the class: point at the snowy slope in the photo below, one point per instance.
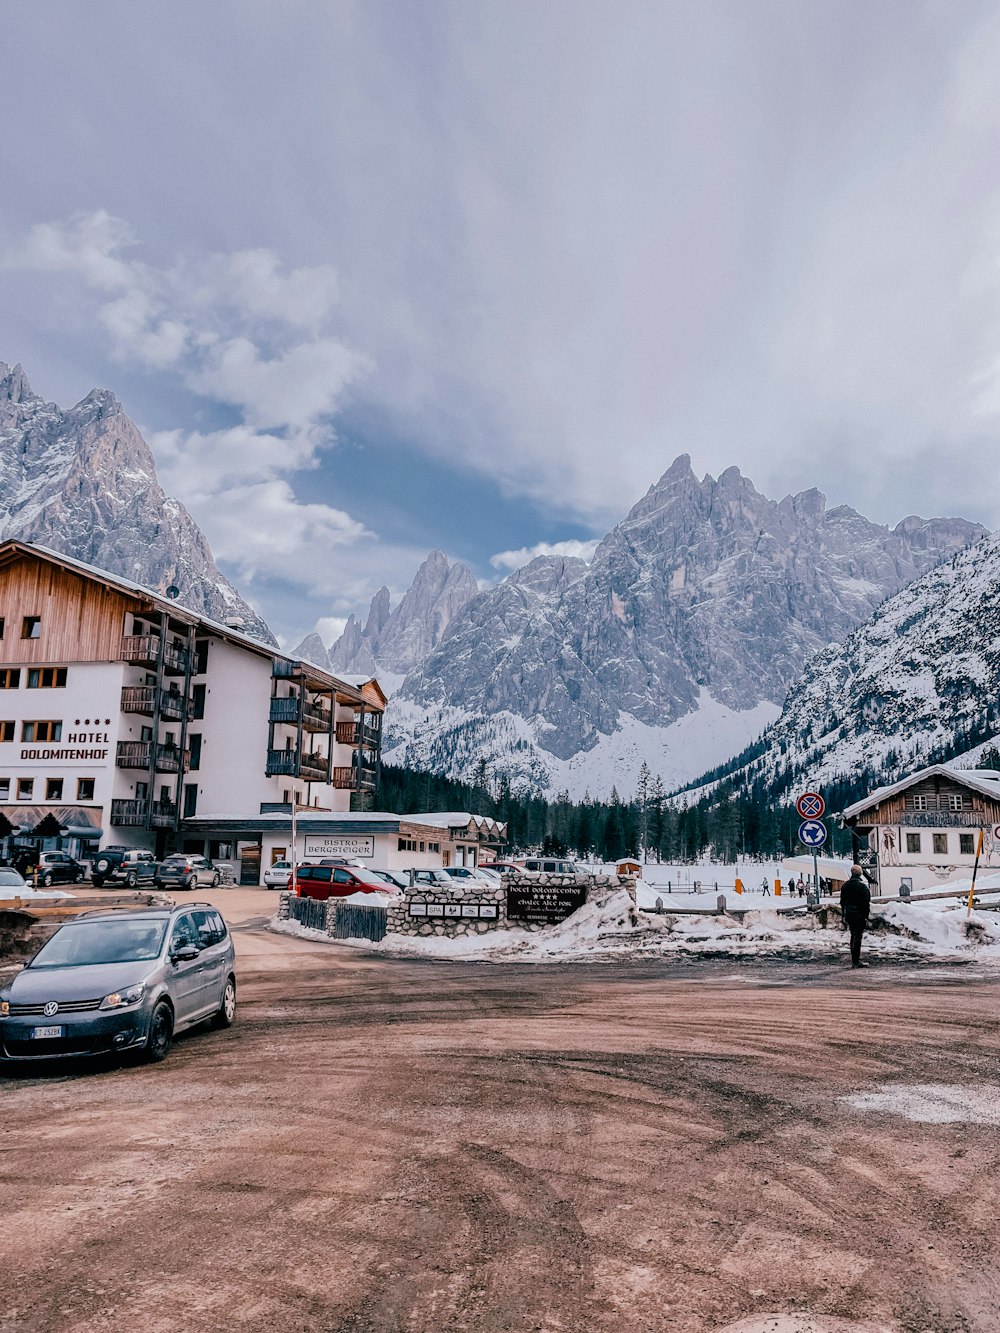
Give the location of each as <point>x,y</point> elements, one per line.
<point>920,680</point>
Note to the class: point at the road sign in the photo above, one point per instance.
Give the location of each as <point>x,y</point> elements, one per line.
<point>812,832</point>
<point>811,805</point>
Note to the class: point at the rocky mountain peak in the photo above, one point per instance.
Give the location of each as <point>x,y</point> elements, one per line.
<point>83,481</point>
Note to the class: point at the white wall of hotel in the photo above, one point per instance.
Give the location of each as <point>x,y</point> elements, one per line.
<point>927,868</point>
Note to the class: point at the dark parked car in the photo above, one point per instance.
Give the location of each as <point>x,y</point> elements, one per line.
<point>58,868</point>
<point>322,882</point>
<point>124,865</point>
<point>119,982</point>
<point>188,872</point>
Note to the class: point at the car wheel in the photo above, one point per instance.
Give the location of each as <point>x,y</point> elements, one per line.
<point>78,877</point>
<point>161,1034</point>
<point>47,880</point>
<point>97,881</point>
<point>131,879</point>
<point>226,1011</point>
<point>192,882</point>
<point>215,881</point>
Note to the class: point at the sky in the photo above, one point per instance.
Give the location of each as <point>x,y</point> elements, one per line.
<point>379,277</point>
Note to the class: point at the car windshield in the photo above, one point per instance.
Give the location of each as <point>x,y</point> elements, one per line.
<point>90,942</point>
<point>12,877</point>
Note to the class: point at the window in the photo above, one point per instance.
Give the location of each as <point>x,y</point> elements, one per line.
<point>190,800</point>
<point>41,731</point>
<point>10,678</point>
<point>343,877</point>
<point>407,844</point>
<point>223,851</point>
<point>433,846</point>
<point>6,731</point>
<point>1,627</point>
<point>955,802</point>
<point>85,789</point>
<point>31,627</point>
<point>913,842</point>
<point>920,802</point>
<point>209,927</point>
<point>966,845</point>
<point>201,657</point>
<point>46,678</point>
<point>183,933</point>
<point>54,789</point>
<point>165,794</point>
<point>194,741</point>
<point>25,787</point>
<point>940,844</point>
<point>198,701</point>
<point>4,789</point>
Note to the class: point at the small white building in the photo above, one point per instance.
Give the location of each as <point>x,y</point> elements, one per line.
<point>923,831</point>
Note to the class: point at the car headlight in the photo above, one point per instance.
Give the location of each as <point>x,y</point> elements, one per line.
<point>120,998</point>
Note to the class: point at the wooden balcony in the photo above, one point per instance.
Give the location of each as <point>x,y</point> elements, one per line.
<point>282,669</point>
<point>136,754</point>
<point>290,764</point>
<point>346,779</point>
<point>144,650</point>
<point>142,699</point>
<point>353,733</point>
<point>314,717</point>
<point>140,813</point>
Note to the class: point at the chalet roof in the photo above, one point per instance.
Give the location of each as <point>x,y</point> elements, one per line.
<point>985,781</point>
<point>459,819</point>
<point>12,550</point>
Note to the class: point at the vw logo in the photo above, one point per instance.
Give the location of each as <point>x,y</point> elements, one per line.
<point>50,1009</point>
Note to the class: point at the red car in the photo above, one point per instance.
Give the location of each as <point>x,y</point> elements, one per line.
<point>322,882</point>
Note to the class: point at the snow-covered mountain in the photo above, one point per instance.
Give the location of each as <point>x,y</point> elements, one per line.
<point>917,683</point>
<point>394,640</point>
<point>83,481</point>
<point>676,645</point>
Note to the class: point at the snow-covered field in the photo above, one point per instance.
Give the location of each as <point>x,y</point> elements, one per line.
<point>609,925</point>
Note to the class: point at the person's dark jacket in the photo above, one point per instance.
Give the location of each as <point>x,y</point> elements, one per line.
<point>856,898</point>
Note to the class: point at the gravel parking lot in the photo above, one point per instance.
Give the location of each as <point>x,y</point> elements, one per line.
<point>387,1146</point>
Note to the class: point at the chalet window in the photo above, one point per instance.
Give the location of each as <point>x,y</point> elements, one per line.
<point>920,802</point>
<point>165,794</point>
<point>955,802</point>
<point>1,627</point>
<point>25,787</point>
<point>85,789</point>
<point>198,701</point>
<point>913,842</point>
<point>4,789</point>
<point>407,844</point>
<point>46,678</point>
<point>10,678</point>
<point>54,789</point>
<point>6,731</point>
<point>940,844</point>
<point>31,627</point>
<point>190,800</point>
<point>194,741</point>
<point>41,731</point>
<point>433,846</point>
<point>966,845</point>
<point>201,657</point>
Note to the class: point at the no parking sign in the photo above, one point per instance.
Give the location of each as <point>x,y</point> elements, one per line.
<point>810,805</point>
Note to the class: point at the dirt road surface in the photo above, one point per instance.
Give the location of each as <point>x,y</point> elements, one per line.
<point>389,1147</point>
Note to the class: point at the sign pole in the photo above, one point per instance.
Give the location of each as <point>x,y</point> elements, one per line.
<point>816,874</point>
<point>975,868</point>
<point>295,848</point>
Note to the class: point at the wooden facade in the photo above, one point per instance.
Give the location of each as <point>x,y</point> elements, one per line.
<point>80,620</point>
<point>937,801</point>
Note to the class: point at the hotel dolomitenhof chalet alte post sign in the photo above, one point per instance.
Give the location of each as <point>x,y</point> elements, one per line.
<point>544,904</point>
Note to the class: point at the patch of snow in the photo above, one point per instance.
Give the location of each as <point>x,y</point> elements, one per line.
<point>932,1103</point>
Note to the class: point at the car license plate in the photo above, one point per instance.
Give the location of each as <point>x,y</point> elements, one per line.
<point>47,1032</point>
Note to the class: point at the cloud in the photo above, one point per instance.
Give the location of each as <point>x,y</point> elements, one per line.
<point>581,550</point>
<point>330,628</point>
<point>244,331</point>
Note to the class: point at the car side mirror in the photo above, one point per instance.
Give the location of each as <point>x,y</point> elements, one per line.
<point>185,953</point>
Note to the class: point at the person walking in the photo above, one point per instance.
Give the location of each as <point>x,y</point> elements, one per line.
<point>791,888</point>
<point>765,888</point>
<point>855,902</point>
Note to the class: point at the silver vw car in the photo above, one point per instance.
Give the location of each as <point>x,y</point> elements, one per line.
<point>121,982</point>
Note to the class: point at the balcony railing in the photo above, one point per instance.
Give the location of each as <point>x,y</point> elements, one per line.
<point>144,649</point>
<point>945,819</point>
<point>353,733</point>
<point>285,710</point>
<point>290,764</point>
<point>346,779</point>
<point>136,754</point>
<point>138,812</point>
<point>142,699</point>
<point>282,669</point>
<point>314,716</point>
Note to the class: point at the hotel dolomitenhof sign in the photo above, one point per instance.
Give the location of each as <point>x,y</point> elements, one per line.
<point>339,844</point>
<point>544,904</point>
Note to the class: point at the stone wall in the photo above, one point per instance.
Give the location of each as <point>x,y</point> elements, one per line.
<point>465,900</point>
